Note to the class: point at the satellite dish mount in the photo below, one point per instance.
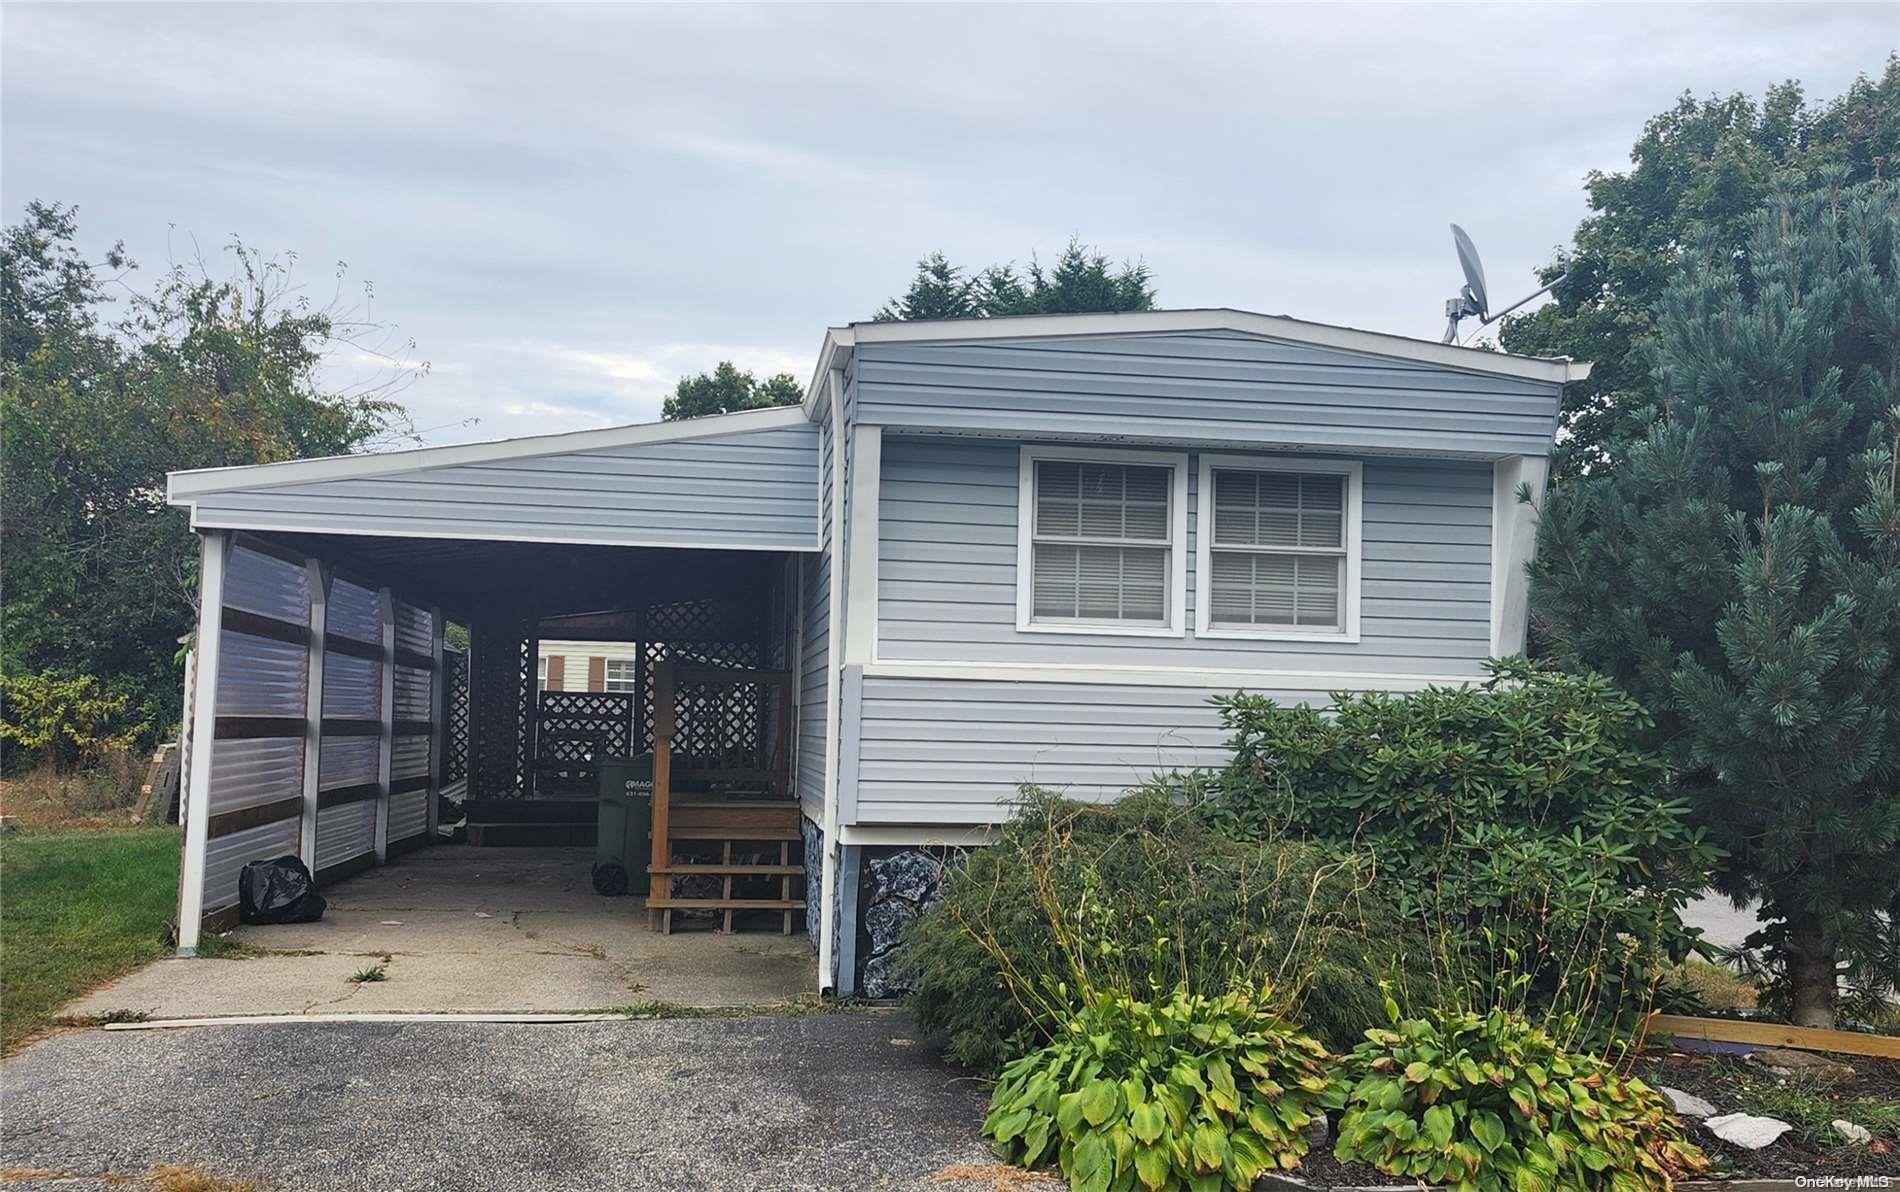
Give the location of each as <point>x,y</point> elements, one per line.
<point>1472,300</point>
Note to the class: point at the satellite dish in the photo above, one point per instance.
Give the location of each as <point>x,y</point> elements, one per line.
<point>1473,267</point>
<point>1474,301</point>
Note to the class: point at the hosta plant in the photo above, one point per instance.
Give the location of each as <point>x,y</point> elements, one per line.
<point>1186,1091</point>
<point>1491,1101</point>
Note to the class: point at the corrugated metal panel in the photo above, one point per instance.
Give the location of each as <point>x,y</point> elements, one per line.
<point>415,628</point>
<point>947,571</point>
<point>225,857</point>
<point>354,611</point>
<point>258,676</point>
<point>347,761</point>
<point>408,815</point>
<point>267,585</point>
<point>352,687</point>
<point>1227,387</point>
<point>409,757</point>
<point>957,751</point>
<point>255,772</point>
<point>750,489</point>
<point>412,694</point>
<point>345,831</point>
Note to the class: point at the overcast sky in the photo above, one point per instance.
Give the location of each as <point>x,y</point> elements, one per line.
<point>570,207</point>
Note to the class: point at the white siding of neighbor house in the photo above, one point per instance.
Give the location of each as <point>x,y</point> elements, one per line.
<point>1225,387</point>
<point>751,489</point>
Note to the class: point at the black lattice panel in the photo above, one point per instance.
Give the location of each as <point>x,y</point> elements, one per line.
<point>496,676</point>
<point>457,715</point>
<point>577,726</point>
<point>526,683</point>
<point>718,725</point>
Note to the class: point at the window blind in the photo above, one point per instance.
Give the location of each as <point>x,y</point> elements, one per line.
<point>1101,548</point>
<point>1278,556</point>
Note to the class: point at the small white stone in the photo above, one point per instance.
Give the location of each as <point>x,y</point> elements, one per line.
<point>1858,1135</point>
<point>1687,1104</point>
<point>1747,1130</point>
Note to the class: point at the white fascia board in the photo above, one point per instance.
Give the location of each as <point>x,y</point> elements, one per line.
<point>1165,676</point>
<point>181,486</point>
<point>1372,343</point>
<point>918,835</point>
<point>837,339</point>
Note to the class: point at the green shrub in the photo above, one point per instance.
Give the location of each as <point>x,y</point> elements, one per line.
<point>1518,822</point>
<point>69,721</point>
<point>1188,1091</point>
<point>1493,1102</point>
<point>1076,895</point>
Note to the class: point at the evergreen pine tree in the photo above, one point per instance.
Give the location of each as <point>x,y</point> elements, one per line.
<point>1739,571</point>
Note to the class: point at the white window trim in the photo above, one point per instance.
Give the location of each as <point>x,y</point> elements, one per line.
<point>1352,470</point>
<point>606,673</point>
<point>1029,456</point>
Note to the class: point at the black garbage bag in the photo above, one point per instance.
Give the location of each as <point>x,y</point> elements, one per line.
<point>279,891</point>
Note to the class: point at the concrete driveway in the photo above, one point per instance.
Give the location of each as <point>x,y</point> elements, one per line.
<point>469,929</point>
<point>822,1101</point>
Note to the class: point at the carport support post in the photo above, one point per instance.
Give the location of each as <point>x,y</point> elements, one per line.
<point>438,717</point>
<point>319,582</point>
<point>214,548</point>
<point>385,753</point>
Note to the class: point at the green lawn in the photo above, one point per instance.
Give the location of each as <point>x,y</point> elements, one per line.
<point>77,908</point>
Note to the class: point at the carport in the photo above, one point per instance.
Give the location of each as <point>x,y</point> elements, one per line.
<point>367,636</point>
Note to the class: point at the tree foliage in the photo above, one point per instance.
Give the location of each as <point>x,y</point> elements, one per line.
<point>1700,170</point>
<point>728,388</point>
<point>1739,571</point>
<point>1081,281</point>
<point>103,389</point>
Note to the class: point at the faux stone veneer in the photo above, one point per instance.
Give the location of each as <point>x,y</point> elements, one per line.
<point>896,884</point>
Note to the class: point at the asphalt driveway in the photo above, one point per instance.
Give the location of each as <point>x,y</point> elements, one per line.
<point>845,1101</point>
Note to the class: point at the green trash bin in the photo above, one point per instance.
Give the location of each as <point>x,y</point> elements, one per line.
<point>623,848</point>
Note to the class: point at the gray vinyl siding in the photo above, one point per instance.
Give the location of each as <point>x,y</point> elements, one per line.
<point>815,646</point>
<point>955,751</point>
<point>753,489</point>
<point>1217,387</point>
<point>947,571</point>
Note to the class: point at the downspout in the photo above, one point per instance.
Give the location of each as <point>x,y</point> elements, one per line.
<point>834,656</point>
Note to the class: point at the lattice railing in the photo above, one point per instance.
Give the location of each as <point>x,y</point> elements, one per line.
<point>578,726</point>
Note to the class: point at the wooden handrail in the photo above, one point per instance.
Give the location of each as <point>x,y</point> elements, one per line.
<point>663,726</point>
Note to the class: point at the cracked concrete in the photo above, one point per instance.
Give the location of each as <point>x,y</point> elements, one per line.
<point>469,929</point>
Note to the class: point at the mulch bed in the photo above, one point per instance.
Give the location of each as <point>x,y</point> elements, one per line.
<point>1714,1077</point>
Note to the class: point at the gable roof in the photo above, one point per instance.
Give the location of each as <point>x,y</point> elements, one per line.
<point>1555,370</point>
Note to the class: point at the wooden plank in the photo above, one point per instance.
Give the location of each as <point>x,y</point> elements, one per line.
<point>239,620</point>
<point>1775,1034</point>
<point>336,643</point>
<point>227,822</point>
<point>337,726</point>
<point>251,728</point>
<point>338,796</point>
<point>413,660</point>
<point>738,834</point>
<point>740,869</point>
<point>662,829</point>
<point>402,786</point>
<point>721,904</point>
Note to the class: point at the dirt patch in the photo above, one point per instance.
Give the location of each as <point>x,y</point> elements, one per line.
<point>102,797</point>
<point>1871,1098</point>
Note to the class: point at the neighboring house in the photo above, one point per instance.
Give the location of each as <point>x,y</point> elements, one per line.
<point>993,552</point>
<point>587,666</point>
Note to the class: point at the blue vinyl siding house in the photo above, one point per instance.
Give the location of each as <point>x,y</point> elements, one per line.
<point>1012,550</point>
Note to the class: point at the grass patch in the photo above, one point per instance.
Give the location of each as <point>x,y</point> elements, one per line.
<point>1811,1106</point>
<point>1717,987</point>
<point>82,907</point>
<point>375,972</point>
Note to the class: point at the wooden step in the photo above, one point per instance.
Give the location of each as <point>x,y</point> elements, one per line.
<point>741,870</point>
<point>735,834</point>
<point>738,818</point>
<point>725,904</point>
